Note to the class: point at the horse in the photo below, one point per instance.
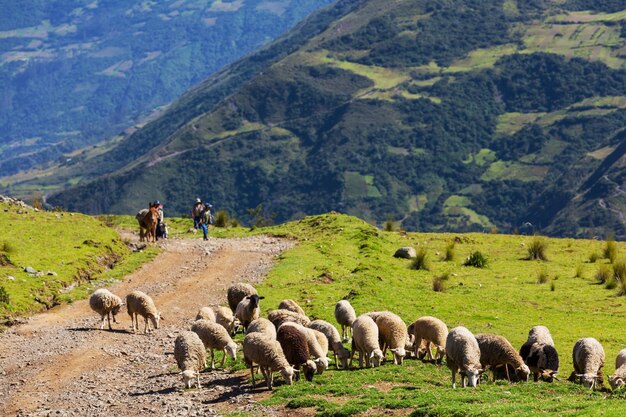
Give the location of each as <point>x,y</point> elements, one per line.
<point>148,220</point>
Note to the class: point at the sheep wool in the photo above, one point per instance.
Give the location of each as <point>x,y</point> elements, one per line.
<point>618,379</point>
<point>264,326</point>
<point>345,316</point>
<point>206,313</point>
<point>238,292</point>
<point>393,333</point>
<point>278,317</point>
<point>334,339</point>
<point>248,310</point>
<point>213,337</point>
<point>268,355</point>
<point>365,341</point>
<point>588,359</point>
<point>140,304</point>
<point>105,303</point>
<point>225,317</point>
<point>540,334</point>
<point>291,305</point>
<point>315,348</point>
<point>190,356</point>
<point>463,356</point>
<point>497,351</point>
<point>296,349</point>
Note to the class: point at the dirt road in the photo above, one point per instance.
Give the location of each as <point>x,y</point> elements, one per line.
<point>59,364</point>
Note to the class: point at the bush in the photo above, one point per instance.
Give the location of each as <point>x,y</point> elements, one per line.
<point>4,296</point>
<point>610,250</point>
<point>537,249</point>
<point>542,276</point>
<point>439,283</point>
<point>450,254</point>
<point>476,259</point>
<point>593,257</point>
<point>234,223</point>
<point>420,262</point>
<point>221,219</point>
<point>389,226</point>
<point>619,271</point>
<point>604,274</point>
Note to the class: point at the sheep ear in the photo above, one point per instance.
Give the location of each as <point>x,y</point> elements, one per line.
<point>261,298</point>
<point>316,360</point>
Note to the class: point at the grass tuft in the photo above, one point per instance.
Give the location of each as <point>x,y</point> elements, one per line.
<point>450,252</point>
<point>222,218</point>
<point>4,296</point>
<point>580,269</point>
<point>619,271</point>
<point>542,276</point>
<point>610,284</point>
<point>477,260</point>
<point>439,282</point>
<point>537,249</point>
<point>604,274</point>
<point>610,249</point>
<point>420,262</point>
<point>593,258</point>
<point>552,286</point>
<point>390,226</point>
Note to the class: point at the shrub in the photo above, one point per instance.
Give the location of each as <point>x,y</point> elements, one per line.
<point>221,218</point>
<point>420,262</point>
<point>449,256</point>
<point>619,271</point>
<point>604,274</point>
<point>537,249</point>
<point>4,296</point>
<point>476,259</point>
<point>622,288</point>
<point>439,282</point>
<point>593,257</point>
<point>610,284</point>
<point>610,250</point>
<point>6,247</point>
<point>234,223</point>
<point>579,271</point>
<point>389,226</point>
<point>542,276</point>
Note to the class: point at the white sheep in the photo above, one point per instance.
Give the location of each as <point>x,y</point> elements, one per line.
<point>540,334</point>
<point>618,379</point>
<point>341,353</point>
<point>463,356</point>
<point>225,317</point>
<point>291,305</point>
<point>264,326</point>
<point>190,356</point>
<point>206,313</point>
<point>316,349</point>
<point>430,331</point>
<point>278,317</point>
<point>268,355</point>
<point>365,341</point>
<point>140,304</point>
<point>105,303</point>
<point>345,316</point>
<point>497,351</point>
<point>214,336</point>
<point>248,310</point>
<point>237,292</point>
<point>393,335</point>
<point>588,359</point>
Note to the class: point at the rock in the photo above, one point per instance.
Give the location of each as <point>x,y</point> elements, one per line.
<point>29,270</point>
<point>405,252</point>
<point>11,278</point>
<point>51,273</point>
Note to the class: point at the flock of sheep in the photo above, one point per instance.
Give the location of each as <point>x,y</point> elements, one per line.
<point>290,343</point>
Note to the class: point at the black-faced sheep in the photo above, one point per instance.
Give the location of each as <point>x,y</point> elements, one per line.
<point>107,304</point>
<point>497,351</point>
<point>365,341</point>
<point>296,349</point>
<point>463,356</point>
<point>190,356</point>
<point>248,310</point>
<point>588,359</point>
<point>213,337</point>
<point>237,292</point>
<point>345,316</point>
<point>140,304</point>
<point>268,355</point>
<point>618,379</point>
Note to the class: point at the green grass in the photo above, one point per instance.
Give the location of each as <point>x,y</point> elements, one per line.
<point>502,299</point>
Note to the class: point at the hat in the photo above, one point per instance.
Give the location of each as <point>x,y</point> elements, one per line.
<point>209,205</point>
<point>157,203</point>
<point>198,200</point>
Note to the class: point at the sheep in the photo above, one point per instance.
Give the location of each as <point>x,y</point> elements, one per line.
<point>430,331</point>
<point>248,310</point>
<point>463,356</point>
<point>618,379</point>
<point>317,350</point>
<point>225,318</point>
<point>291,305</point>
<point>190,356</point>
<point>238,292</point>
<point>214,336</point>
<point>540,354</point>
<point>365,341</point>
<point>296,349</point>
<point>264,326</point>
<point>107,304</point>
<point>278,317</point>
<point>392,333</point>
<point>268,355</point>
<point>588,359</point>
<point>140,304</point>
<point>345,316</point>
<point>341,353</point>
<point>206,313</point>
<point>496,351</point>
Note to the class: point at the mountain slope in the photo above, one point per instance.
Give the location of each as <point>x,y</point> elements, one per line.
<point>441,115</point>
<point>75,72</point>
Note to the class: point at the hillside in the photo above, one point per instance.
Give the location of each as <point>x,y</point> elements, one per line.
<point>440,115</point>
<point>73,73</point>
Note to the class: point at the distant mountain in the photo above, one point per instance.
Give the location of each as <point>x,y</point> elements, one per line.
<point>437,114</point>
<point>74,72</point>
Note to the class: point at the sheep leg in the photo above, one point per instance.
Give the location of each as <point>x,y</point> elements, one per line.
<point>536,376</point>
<point>223,359</point>
<point>212,359</point>
<point>453,378</point>
<point>367,358</point>
<point>198,379</point>
<point>109,318</point>
<point>145,327</point>
<point>429,350</point>
<point>506,367</point>
<point>102,322</point>
<point>252,374</point>
<point>462,381</point>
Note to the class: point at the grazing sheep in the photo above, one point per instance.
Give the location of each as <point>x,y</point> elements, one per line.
<point>498,351</point>
<point>238,292</point>
<point>618,379</point>
<point>393,335</point>
<point>278,317</point>
<point>107,304</point>
<point>588,359</point>
<point>225,318</point>
<point>429,331</point>
<point>248,310</point>
<point>365,341</point>
<point>296,349</point>
<point>345,316</point>
<point>264,326</point>
<point>341,353</point>
<point>214,336</point>
<point>463,356</point>
<point>190,356</point>
<point>291,305</point>
<point>206,313</point>
<point>140,304</point>
<point>316,349</point>
<point>540,354</point>
<point>268,355</point>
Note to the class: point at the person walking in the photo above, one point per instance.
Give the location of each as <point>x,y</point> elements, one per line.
<point>196,213</point>
<point>206,220</point>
